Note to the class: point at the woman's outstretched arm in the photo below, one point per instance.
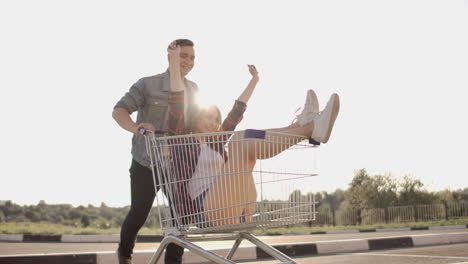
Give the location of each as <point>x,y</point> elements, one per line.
<point>237,112</point>
<point>177,84</point>
<point>176,120</point>
<point>247,93</point>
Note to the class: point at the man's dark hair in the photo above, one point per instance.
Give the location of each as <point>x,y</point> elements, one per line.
<point>184,42</point>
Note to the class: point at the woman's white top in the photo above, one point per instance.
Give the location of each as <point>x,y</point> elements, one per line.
<point>209,167</point>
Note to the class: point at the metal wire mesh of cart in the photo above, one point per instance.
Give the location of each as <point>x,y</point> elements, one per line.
<point>232,181</point>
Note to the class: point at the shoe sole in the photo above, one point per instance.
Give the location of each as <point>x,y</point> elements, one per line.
<point>334,114</point>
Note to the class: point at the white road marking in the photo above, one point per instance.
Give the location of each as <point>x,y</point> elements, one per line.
<point>408,255</point>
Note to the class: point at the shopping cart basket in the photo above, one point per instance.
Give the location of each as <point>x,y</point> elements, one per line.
<point>231,183</point>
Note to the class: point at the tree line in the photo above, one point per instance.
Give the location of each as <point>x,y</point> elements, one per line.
<point>382,191</point>
<point>364,191</point>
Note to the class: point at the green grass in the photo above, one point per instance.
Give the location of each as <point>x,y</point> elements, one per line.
<point>306,229</point>
<point>57,229</point>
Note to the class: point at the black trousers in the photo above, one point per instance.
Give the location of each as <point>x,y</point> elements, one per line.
<point>142,195</point>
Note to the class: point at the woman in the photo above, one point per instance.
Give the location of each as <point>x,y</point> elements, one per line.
<point>213,185</point>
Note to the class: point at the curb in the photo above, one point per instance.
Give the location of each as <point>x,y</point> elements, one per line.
<point>252,253</point>
<point>158,238</point>
<point>75,238</point>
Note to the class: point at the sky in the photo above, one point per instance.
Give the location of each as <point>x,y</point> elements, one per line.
<point>400,68</point>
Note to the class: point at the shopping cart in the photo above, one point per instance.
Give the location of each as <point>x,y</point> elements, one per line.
<point>227,184</point>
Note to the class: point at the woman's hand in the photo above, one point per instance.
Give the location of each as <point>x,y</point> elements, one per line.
<point>245,96</point>
<point>253,71</point>
<point>177,84</point>
<point>174,51</point>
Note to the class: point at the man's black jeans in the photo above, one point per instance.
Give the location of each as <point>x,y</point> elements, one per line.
<point>142,195</point>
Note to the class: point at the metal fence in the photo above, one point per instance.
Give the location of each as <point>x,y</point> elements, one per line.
<point>395,214</point>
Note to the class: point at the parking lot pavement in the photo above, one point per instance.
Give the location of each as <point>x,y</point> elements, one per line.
<point>359,247</point>
<point>15,248</point>
<point>454,254</point>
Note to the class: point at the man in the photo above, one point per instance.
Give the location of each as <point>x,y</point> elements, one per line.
<point>149,97</point>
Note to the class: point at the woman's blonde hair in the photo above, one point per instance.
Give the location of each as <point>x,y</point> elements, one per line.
<point>203,109</point>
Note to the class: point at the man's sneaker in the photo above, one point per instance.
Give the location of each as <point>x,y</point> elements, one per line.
<point>310,110</point>
<point>124,259</point>
<point>324,121</point>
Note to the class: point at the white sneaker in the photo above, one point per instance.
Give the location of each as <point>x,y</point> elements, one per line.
<point>324,121</point>
<point>311,109</point>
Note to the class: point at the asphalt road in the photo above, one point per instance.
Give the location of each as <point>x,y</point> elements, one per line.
<point>20,248</point>
<point>454,254</point>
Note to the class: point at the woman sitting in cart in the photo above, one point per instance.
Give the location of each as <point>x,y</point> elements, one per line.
<point>216,187</point>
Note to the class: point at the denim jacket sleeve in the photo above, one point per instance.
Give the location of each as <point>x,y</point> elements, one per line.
<point>134,98</point>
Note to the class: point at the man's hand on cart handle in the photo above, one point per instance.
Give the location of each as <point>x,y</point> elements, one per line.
<point>144,128</point>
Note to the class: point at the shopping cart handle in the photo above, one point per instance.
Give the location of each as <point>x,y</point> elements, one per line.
<point>261,134</point>
<point>254,133</point>
<point>141,130</point>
